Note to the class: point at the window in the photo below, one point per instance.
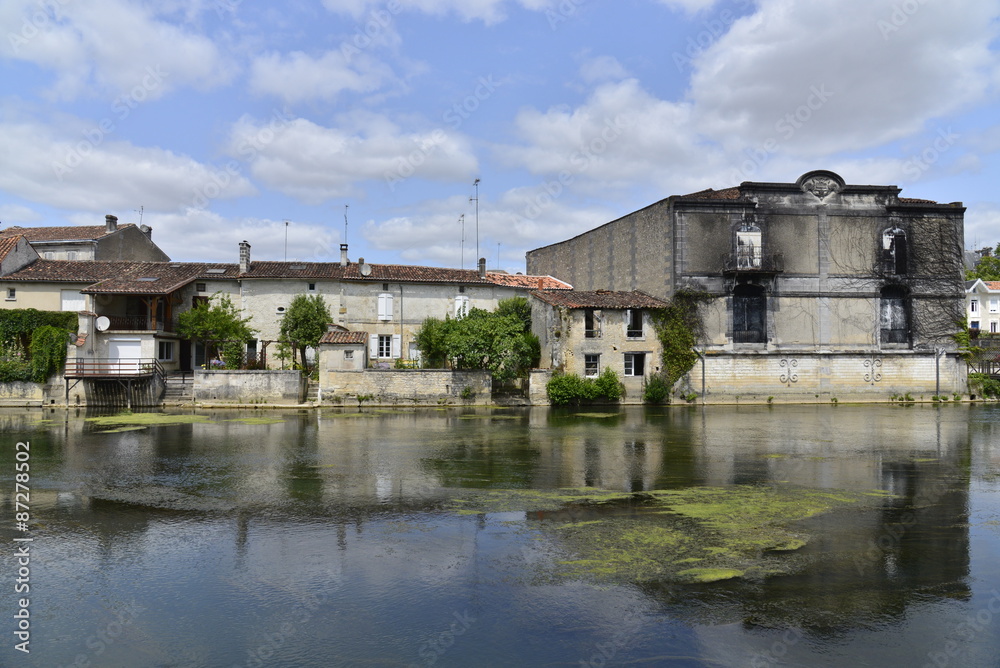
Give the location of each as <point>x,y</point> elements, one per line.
<point>461,306</point>
<point>200,287</point>
<point>974,306</point>
<point>749,314</point>
<point>71,255</point>
<point>591,324</point>
<point>894,251</point>
<point>348,354</point>
<point>993,326</point>
<point>633,323</point>
<point>894,318</point>
<point>385,346</point>
<point>592,366</point>
<point>251,352</point>
<point>165,351</point>
<point>748,246</point>
<point>11,294</point>
<point>385,287</point>
<point>994,305</point>
<point>635,364</point>
<point>385,306</point>
<point>461,289</point>
<point>312,287</point>
<point>48,255</point>
<point>974,325</point>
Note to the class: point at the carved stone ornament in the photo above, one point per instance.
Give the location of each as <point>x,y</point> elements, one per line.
<point>820,186</point>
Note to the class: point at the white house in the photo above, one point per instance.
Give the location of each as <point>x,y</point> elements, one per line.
<point>982,305</point>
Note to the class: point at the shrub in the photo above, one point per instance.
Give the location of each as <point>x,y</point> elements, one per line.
<point>656,390</point>
<point>232,354</point>
<point>12,371</point>
<point>568,388</point>
<point>609,386</point>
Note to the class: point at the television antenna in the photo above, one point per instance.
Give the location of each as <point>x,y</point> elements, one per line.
<point>476,199</point>
<point>461,219</point>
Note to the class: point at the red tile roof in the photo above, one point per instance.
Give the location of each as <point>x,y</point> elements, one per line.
<point>992,285</point>
<point>7,244</point>
<point>340,337</point>
<point>530,282</point>
<point>598,299</point>
<point>709,193</point>
<point>63,233</point>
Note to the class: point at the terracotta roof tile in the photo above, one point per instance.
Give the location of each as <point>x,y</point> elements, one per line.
<point>339,337</point>
<point>7,244</point>
<point>709,193</point>
<point>913,200</point>
<point>598,299</point>
<point>992,285</point>
<point>530,282</point>
<point>61,233</point>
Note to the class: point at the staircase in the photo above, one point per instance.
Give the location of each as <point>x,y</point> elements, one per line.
<point>179,388</point>
<point>312,391</point>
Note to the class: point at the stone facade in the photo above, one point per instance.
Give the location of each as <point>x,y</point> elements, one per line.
<point>406,387</point>
<point>816,266</point>
<point>249,387</point>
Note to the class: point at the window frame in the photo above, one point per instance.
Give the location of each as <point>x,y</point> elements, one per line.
<point>630,320</point>
<point>630,366</point>
<point>591,365</point>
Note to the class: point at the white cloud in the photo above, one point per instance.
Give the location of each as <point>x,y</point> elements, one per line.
<point>16,214</point>
<point>315,163</point>
<point>982,225</point>
<point>487,11</point>
<point>298,76</point>
<point>602,68</point>
<point>88,170</point>
<point>111,45</point>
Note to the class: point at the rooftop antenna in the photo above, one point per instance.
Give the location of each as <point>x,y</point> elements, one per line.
<point>346,206</point>
<point>498,255</point>
<point>476,198</point>
<point>140,214</point>
<point>286,241</point>
<point>461,219</point>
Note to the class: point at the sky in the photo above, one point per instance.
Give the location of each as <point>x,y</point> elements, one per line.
<point>301,125</point>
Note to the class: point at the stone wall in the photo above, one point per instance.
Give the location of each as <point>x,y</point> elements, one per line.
<point>249,387</point>
<point>396,387</point>
<point>739,377</point>
<point>22,394</point>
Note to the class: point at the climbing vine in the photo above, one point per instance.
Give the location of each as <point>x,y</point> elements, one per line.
<point>33,343</point>
<point>17,326</point>
<point>679,327</point>
<point>48,351</point>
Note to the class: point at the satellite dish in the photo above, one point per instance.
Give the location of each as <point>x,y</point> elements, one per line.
<point>103,322</point>
<point>365,270</point>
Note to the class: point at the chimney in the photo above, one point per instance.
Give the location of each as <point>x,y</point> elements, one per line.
<point>343,255</point>
<point>147,230</point>
<point>110,223</point>
<point>482,267</point>
<point>244,257</point>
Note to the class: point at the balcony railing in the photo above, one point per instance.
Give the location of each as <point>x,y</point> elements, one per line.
<point>740,263</point>
<point>137,323</point>
<point>122,367</point>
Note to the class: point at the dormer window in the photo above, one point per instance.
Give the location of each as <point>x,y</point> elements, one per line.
<point>748,245</point>
<point>893,252</point>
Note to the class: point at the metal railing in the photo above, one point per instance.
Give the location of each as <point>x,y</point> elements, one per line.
<point>113,367</point>
<point>137,323</point>
<point>773,263</point>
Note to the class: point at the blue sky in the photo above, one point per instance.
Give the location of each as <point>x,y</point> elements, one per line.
<point>222,119</point>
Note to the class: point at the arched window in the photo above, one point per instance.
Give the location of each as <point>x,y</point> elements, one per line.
<point>894,251</point>
<point>748,246</point>
<point>894,315</point>
<point>749,314</point>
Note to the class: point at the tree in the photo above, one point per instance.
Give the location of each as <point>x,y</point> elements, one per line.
<point>304,323</point>
<point>988,268</point>
<point>213,323</point>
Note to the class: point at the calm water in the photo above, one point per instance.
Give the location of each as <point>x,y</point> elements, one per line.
<point>324,541</point>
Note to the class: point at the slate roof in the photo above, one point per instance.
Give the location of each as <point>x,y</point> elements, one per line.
<point>598,299</point>
<point>61,233</point>
<point>339,337</point>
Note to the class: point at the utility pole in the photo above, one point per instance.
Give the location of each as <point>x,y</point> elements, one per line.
<point>286,241</point>
<point>476,198</point>
<point>461,219</point>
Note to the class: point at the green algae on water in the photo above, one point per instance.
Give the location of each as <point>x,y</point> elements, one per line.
<point>144,419</point>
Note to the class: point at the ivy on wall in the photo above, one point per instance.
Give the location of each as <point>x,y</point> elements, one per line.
<point>33,343</point>
<point>679,327</point>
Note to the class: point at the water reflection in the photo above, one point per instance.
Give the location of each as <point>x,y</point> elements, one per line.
<point>224,530</point>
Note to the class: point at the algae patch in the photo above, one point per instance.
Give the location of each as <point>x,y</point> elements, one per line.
<point>693,535</point>
<point>140,420</point>
<point>256,420</point>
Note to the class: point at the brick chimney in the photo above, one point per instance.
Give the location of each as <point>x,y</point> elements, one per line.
<point>482,267</point>
<point>244,257</point>
<point>110,223</point>
<point>343,255</point>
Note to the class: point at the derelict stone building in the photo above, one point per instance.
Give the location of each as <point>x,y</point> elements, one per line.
<point>820,289</point>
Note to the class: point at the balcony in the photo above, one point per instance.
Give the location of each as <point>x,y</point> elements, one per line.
<point>136,323</point>
<point>756,263</point>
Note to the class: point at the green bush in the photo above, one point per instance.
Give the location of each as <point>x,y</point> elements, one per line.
<point>657,389</point>
<point>986,386</point>
<point>232,354</point>
<point>569,389</point>
<point>609,386</point>
<point>12,371</point>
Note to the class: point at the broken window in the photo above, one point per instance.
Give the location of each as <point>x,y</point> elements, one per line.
<point>749,314</point>
<point>894,317</point>
<point>635,364</point>
<point>894,251</point>
<point>591,324</point>
<point>633,323</point>
<point>748,246</point>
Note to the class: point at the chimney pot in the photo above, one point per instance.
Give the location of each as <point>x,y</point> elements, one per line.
<point>482,267</point>
<point>343,255</point>
<point>110,223</point>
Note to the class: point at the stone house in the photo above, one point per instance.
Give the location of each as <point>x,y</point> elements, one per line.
<point>108,242</point>
<point>820,289</point>
<point>586,332</point>
<point>982,306</point>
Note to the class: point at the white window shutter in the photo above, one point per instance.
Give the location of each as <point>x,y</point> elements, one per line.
<point>373,346</point>
<point>385,306</point>
<point>397,346</point>
<point>461,306</point>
